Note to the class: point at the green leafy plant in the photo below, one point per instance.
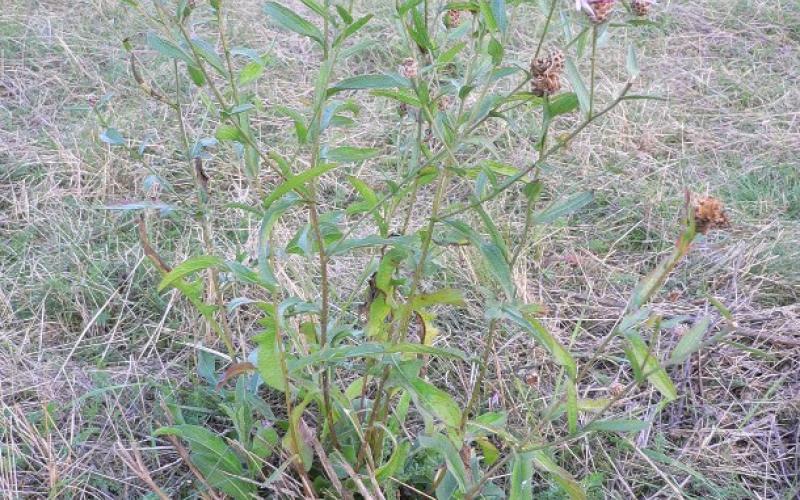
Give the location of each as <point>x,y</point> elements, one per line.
<point>331,401</point>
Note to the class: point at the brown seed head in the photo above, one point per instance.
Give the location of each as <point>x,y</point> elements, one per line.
<point>452,18</point>
<point>409,68</point>
<point>709,214</point>
<point>616,389</point>
<point>546,73</point>
<point>641,7</point>
<point>599,10</point>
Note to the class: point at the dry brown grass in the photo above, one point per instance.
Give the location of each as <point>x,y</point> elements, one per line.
<point>88,349</point>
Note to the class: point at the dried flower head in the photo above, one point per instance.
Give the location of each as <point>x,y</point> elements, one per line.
<point>709,214</point>
<point>616,389</point>
<point>598,10</point>
<point>452,18</point>
<point>641,7</point>
<point>546,73</point>
<point>409,69</point>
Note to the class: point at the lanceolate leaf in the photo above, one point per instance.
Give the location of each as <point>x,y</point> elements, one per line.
<point>216,461</point>
<point>287,19</point>
<point>563,207</point>
<point>271,216</point>
<point>435,401</point>
<point>690,342</point>
<point>348,153</point>
<point>168,49</point>
<point>645,361</point>
<point>578,86</point>
<point>297,182</point>
<point>563,478</point>
<point>617,425</point>
<point>451,457</point>
<point>269,362</point>
<point>369,82</point>
<point>192,265</point>
<point>540,333</point>
<point>521,477</point>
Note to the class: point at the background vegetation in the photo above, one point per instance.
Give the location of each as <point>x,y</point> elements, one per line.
<point>93,356</point>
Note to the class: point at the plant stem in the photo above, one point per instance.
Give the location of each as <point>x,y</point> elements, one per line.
<point>591,75</point>
<point>201,187</point>
<point>476,389</point>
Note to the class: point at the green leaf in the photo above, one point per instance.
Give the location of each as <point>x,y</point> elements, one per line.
<point>521,477</point>
<point>451,53</point>
<point>300,129</point>
<point>491,253</point>
<point>395,463</point>
<point>572,407</point>
<point>451,457</point>
<point>287,19</point>
<point>402,95</point>
<point>351,29</point>
<point>435,401</point>
<point>251,72</point>
<point>208,53</point>
<point>498,8</point>
<point>345,154</point>
<point>376,81</point>
<point>271,216</point>
<point>187,267</point>
<point>297,182</point>
<point>450,296</point>
<point>216,461</point>
<point>488,15</point>
<point>617,425</point>
<point>227,132</point>
<point>168,49</point>
<point>574,77</point>
<point>643,359</point>
<point>563,207</point>
<point>197,76</point>
<point>112,136</point>
<point>690,343</point>
<point>631,64</point>
<point>563,104</point>
<point>563,478</point>
<point>540,333</point>
<point>269,359</point>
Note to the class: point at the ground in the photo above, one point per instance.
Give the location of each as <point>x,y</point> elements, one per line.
<point>88,348</point>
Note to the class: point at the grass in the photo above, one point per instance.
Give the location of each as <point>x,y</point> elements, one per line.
<point>88,348</point>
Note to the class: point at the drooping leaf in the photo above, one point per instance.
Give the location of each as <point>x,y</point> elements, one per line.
<point>218,463</point>
<point>575,80</point>
<point>207,52</point>
<point>395,463</point>
<point>435,401</point>
<point>540,333</point>
<point>543,461</point>
<point>168,49</point>
<point>451,457</point>
<point>288,19</point>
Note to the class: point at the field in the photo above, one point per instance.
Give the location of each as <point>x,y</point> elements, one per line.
<point>91,354</point>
